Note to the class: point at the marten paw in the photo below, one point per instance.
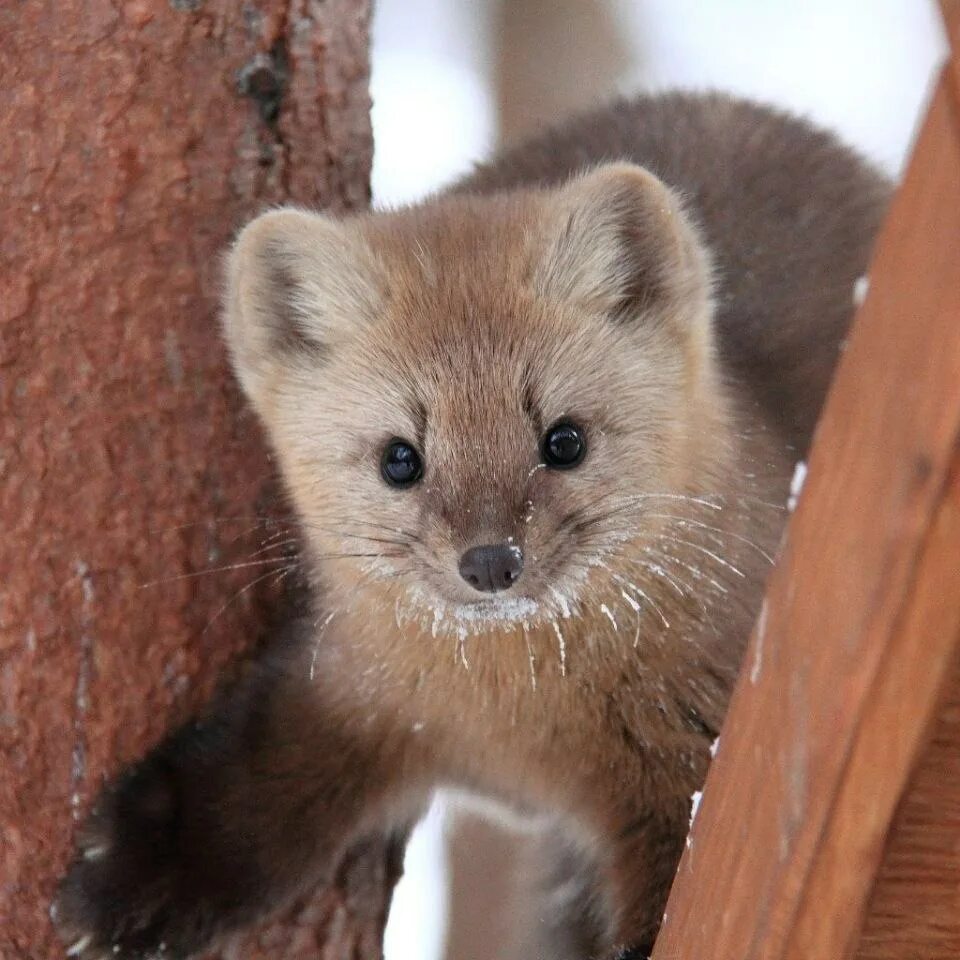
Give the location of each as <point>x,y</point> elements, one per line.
<point>130,892</point>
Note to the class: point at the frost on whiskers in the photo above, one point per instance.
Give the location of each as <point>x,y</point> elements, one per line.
<point>497,610</point>
<point>419,606</point>
<point>440,618</point>
<point>658,563</point>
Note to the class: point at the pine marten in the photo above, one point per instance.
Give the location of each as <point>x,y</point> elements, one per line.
<point>538,431</point>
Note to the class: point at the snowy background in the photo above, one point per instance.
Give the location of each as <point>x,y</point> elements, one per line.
<point>452,78</point>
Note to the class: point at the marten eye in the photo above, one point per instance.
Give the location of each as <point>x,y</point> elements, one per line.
<point>564,446</point>
<point>400,464</point>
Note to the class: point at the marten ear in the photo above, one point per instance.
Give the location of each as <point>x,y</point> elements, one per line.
<point>619,243</point>
<point>295,280</point>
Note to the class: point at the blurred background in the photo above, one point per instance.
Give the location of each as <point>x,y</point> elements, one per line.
<point>454,79</point>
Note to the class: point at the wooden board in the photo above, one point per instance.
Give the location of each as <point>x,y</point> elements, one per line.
<point>950,10</point>
<point>914,911</point>
<point>859,634</point>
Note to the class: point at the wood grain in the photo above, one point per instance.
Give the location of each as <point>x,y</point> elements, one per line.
<point>137,137</point>
<point>859,632</point>
<point>950,12</point>
<point>914,910</point>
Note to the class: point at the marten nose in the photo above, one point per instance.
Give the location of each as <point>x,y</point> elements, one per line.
<point>492,567</point>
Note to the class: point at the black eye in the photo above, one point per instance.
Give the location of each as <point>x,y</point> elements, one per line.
<point>564,446</point>
<point>400,464</point>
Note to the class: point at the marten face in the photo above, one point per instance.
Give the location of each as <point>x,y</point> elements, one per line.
<point>477,404</point>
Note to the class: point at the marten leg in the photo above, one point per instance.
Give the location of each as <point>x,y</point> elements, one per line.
<point>570,913</point>
<point>643,861</point>
<point>223,821</point>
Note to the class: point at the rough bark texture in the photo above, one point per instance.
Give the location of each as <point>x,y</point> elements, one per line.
<point>136,137</point>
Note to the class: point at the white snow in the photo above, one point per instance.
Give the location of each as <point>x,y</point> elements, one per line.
<point>695,799</point>
<point>860,289</point>
<point>757,664</point>
<point>796,484</point>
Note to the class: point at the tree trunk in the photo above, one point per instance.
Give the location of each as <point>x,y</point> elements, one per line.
<point>137,137</point>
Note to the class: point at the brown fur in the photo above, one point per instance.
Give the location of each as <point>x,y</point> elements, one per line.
<point>467,325</point>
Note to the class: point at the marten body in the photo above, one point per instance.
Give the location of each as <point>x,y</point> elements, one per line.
<point>538,431</point>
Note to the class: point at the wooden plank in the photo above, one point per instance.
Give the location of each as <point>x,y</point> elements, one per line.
<point>851,653</point>
<point>891,732</point>
<point>914,909</point>
<point>950,10</point>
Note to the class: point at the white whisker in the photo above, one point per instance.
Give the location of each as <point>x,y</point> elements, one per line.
<point>273,546</point>
<point>633,603</point>
<point>709,553</point>
<point>224,569</point>
<point>695,571</point>
<point>533,662</point>
<point>689,522</point>
<point>562,602</point>
<point>642,595</point>
<point>657,570</point>
<point>605,610</point>
<point>316,644</point>
<point>563,648</point>
<point>279,574</point>
<point>639,497</point>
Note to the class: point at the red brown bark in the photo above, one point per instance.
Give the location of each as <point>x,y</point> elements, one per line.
<point>136,137</point>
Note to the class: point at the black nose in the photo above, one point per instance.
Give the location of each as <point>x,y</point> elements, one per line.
<point>492,567</point>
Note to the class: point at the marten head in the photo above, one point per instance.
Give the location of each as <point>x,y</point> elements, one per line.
<point>476,401</point>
